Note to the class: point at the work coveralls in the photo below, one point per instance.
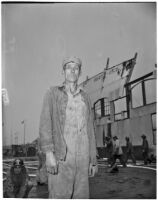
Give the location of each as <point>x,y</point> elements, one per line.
<point>117,153</point>
<point>72,178</point>
<point>67,129</point>
<point>130,152</point>
<point>145,149</point>
<point>109,148</point>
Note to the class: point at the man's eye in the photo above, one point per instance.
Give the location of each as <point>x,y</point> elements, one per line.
<point>75,68</point>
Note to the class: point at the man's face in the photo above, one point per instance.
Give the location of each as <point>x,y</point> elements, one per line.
<point>72,72</point>
<point>17,169</point>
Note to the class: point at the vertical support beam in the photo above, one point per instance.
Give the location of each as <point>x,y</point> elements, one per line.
<point>128,99</point>
<point>107,63</point>
<point>144,93</point>
<point>102,107</point>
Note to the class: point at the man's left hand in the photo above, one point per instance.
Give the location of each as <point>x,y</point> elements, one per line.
<point>93,169</point>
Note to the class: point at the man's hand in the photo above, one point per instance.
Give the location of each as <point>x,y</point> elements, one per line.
<point>93,169</point>
<point>51,163</point>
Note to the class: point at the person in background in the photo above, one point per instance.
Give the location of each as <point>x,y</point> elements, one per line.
<point>109,147</point>
<point>145,150</point>
<point>117,152</point>
<point>67,136</point>
<point>17,184</point>
<point>129,150</point>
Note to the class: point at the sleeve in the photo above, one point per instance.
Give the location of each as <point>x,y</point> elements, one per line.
<point>45,127</point>
<point>146,146</point>
<point>117,144</point>
<point>116,147</point>
<point>91,129</point>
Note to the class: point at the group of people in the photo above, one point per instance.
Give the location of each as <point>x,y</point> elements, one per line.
<point>114,151</point>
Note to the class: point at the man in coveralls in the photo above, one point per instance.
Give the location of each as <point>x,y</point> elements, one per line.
<point>67,136</point>
<point>117,152</point>
<point>109,146</point>
<point>129,150</point>
<point>145,150</point>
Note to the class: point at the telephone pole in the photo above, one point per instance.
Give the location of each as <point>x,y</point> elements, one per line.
<point>24,123</point>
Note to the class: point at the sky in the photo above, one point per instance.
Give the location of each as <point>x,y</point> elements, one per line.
<point>37,37</point>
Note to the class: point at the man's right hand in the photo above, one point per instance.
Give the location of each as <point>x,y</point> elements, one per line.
<point>51,163</point>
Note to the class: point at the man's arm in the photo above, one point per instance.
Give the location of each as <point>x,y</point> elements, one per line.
<point>93,167</point>
<point>116,147</point>
<point>45,127</point>
<point>46,131</point>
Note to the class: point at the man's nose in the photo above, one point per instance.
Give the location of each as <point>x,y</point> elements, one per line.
<point>72,69</point>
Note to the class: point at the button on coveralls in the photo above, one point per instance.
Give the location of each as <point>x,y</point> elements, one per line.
<point>72,178</point>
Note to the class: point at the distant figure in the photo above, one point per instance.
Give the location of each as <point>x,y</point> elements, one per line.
<point>117,152</point>
<point>145,150</point>
<point>129,151</point>
<point>109,147</point>
<point>17,184</point>
<point>41,176</point>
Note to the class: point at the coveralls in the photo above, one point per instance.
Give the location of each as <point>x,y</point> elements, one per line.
<point>117,153</point>
<point>145,149</point>
<point>67,129</point>
<point>109,146</point>
<point>72,178</point>
<point>130,152</point>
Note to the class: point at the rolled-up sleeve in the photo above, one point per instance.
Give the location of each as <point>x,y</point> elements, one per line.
<point>93,151</point>
<point>45,127</point>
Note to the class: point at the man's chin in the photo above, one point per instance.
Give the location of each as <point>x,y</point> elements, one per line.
<point>72,80</point>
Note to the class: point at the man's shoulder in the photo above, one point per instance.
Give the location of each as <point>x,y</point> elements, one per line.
<point>54,89</point>
<point>84,93</point>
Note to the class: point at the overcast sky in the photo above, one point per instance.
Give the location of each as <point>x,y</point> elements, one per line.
<point>36,37</point>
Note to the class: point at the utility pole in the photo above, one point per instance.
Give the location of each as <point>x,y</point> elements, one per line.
<point>16,138</point>
<point>24,123</point>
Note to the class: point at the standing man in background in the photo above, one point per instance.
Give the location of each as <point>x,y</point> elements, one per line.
<point>129,150</point>
<point>109,148</point>
<point>145,150</point>
<point>67,136</point>
<point>117,152</point>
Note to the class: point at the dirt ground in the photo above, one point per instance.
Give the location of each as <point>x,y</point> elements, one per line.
<point>128,183</point>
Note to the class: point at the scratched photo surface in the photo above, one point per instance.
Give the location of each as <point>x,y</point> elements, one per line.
<point>116,43</point>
